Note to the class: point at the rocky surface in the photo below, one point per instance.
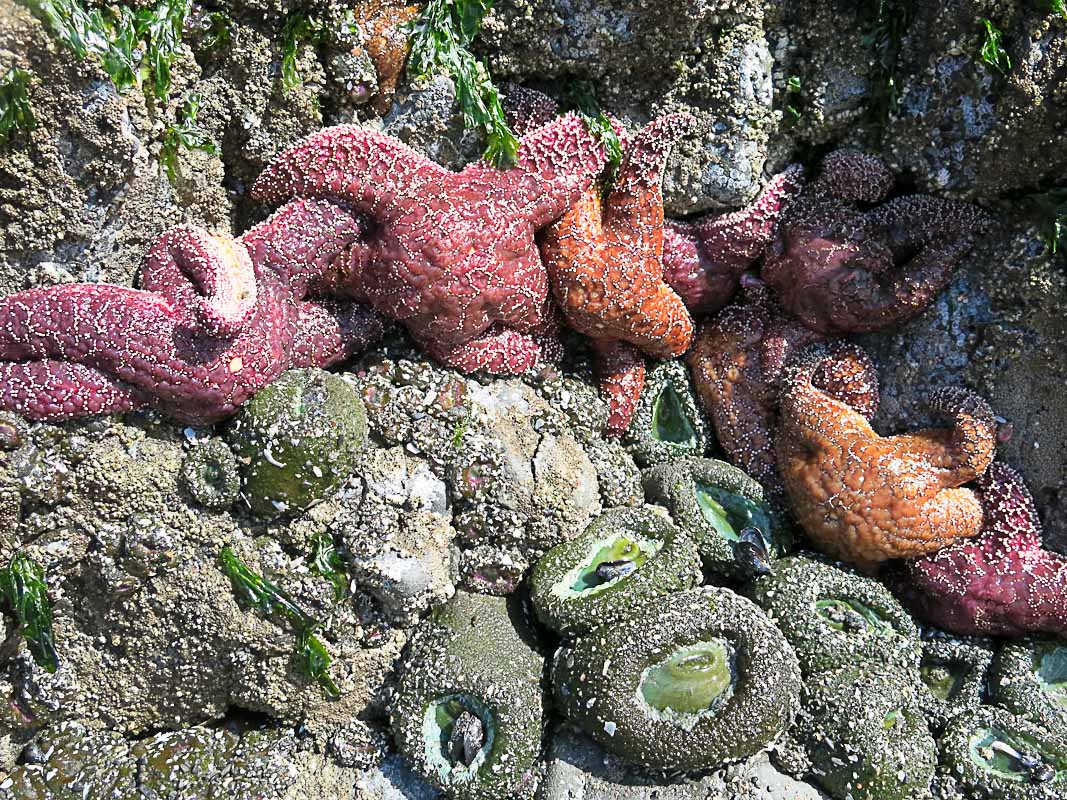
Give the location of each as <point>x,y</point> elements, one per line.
<point>168,684</point>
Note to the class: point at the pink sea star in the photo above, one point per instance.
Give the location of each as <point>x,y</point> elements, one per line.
<point>218,319</point>
<point>738,360</point>
<point>452,255</point>
<point>840,269</point>
<point>703,260</point>
<point>1002,583</point>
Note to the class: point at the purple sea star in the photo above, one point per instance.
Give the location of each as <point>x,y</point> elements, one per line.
<point>452,255</point>
<point>1002,583</point>
<point>842,270</point>
<point>703,260</point>
<point>218,319</point>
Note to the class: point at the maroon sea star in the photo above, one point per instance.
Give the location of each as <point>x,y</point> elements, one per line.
<point>1002,583</point>
<point>704,260</point>
<point>217,320</point>
<point>840,269</point>
<point>738,359</point>
<point>452,255</point>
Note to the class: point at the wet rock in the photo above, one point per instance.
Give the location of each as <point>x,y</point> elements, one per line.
<point>711,60</point>
<point>961,125</point>
<point>578,768</point>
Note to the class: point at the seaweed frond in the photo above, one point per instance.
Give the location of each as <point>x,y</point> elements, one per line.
<point>15,111</point>
<point>440,40</point>
<point>24,592</point>
<point>257,592</point>
<point>1051,208</point>
<point>327,562</point>
<point>185,133</point>
<point>581,96</point>
<point>993,53</point>
<point>129,45</point>
<point>884,39</point>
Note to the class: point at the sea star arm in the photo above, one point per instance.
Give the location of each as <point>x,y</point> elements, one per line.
<point>316,245</point>
<point>636,197</point>
<point>528,109</point>
<point>208,279</point>
<point>971,445</point>
<point>498,351</point>
<point>854,176</point>
<point>620,371</point>
<point>930,235</point>
<point>376,173</point>
<point>554,165</point>
<point>56,390</point>
<point>703,260</point>
<point>329,332</point>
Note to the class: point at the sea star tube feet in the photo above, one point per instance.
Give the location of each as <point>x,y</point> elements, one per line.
<point>737,361</point>
<point>864,498</point>
<point>80,349</point>
<point>453,253</point>
<point>1002,583</point>
<point>703,260</point>
<point>844,270</point>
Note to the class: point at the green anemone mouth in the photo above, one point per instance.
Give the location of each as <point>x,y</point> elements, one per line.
<point>944,678</point>
<point>984,750</point>
<point>730,513</point>
<point>584,579</point>
<point>853,617</point>
<point>441,715</point>
<point>692,683</point>
<point>670,423</point>
<point>1050,662</point>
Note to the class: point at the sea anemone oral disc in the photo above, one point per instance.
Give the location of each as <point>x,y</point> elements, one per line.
<point>693,682</point>
<point>441,734</point>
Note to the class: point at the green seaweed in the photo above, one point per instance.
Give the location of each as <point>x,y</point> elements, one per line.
<point>327,562</point>
<point>581,96</point>
<point>24,592</point>
<point>299,26</point>
<point>256,591</point>
<point>884,39</point>
<point>1051,210</point>
<point>793,99</point>
<point>1058,7</point>
<point>185,133</point>
<point>992,53</point>
<point>129,44</point>
<point>15,111</point>
<point>216,30</point>
<point>440,40</point>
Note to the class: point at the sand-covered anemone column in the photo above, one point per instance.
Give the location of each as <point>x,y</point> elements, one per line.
<point>689,681</point>
<point>622,560</point>
<point>834,617</point>
<point>866,735</point>
<point>468,711</point>
<point>727,513</point>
